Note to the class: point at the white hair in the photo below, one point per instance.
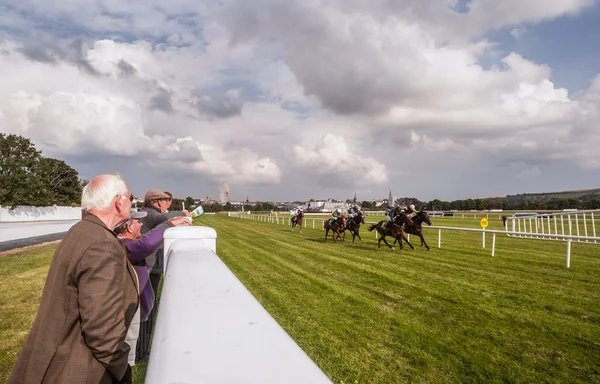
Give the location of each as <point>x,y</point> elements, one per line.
<point>101,191</point>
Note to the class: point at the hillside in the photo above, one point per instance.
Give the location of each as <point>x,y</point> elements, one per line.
<point>582,194</point>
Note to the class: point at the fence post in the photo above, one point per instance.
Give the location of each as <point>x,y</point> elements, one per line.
<point>483,238</point>
<point>569,253</point>
<point>493,244</point>
<point>439,238</point>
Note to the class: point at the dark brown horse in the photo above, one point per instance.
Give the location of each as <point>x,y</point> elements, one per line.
<point>337,227</point>
<point>394,229</point>
<point>297,220</point>
<point>353,225</point>
<point>416,227</point>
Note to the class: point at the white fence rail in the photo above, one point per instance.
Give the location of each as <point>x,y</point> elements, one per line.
<point>210,329</point>
<point>548,226</point>
<point>484,232</point>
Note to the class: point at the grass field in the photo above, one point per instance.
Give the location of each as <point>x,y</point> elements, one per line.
<point>450,315</point>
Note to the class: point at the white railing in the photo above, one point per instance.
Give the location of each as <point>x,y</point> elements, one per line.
<point>210,329</point>
<point>548,226</point>
<point>484,232</point>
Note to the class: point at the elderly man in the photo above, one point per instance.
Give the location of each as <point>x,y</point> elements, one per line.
<point>89,299</point>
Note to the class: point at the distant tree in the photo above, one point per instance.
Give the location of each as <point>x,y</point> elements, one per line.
<point>177,205</point>
<point>20,183</point>
<point>366,205</point>
<point>227,206</point>
<point>189,201</point>
<point>61,182</point>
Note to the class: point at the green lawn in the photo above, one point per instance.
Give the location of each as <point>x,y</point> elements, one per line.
<point>453,314</point>
<point>448,315</point>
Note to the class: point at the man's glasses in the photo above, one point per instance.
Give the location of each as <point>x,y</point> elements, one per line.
<point>130,197</point>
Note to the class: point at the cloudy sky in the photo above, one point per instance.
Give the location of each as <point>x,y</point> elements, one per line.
<point>308,99</point>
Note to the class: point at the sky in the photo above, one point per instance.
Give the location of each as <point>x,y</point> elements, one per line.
<point>293,100</point>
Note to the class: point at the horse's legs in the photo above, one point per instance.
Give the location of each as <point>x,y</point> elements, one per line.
<point>405,239</point>
<point>423,242</point>
<point>326,233</point>
<point>386,243</point>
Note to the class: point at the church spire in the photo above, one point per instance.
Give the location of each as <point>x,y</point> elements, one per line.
<point>390,200</point>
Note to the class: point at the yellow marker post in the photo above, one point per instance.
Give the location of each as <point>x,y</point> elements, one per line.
<point>484,223</point>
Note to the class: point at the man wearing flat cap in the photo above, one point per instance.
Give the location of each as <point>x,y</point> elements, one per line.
<point>155,205</point>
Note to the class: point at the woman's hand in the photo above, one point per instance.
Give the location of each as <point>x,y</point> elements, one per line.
<point>181,220</point>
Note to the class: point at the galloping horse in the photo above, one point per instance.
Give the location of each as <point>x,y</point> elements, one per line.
<point>416,227</point>
<point>353,225</point>
<point>394,229</point>
<point>337,228</point>
<point>297,220</point>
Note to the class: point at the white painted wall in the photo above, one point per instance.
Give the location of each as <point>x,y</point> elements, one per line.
<point>28,213</point>
<point>25,229</point>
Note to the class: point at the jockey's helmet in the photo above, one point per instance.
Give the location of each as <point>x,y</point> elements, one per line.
<point>338,210</point>
<point>412,207</point>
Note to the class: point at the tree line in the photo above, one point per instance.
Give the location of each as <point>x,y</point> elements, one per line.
<point>508,203</point>
<point>28,178</point>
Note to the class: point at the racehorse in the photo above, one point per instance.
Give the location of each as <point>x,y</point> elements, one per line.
<point>297,220</point>
<point>416,227</point>
<point>337,228</point>
<point>353,225</point>
<point>394,229</point>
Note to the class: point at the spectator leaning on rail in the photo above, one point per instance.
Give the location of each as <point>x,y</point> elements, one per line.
<point>89,299</point>
<point>138,248</point>
<point>155,205</point>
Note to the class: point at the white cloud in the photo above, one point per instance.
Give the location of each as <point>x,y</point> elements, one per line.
<point>292,93</point>
<point>332,156</point>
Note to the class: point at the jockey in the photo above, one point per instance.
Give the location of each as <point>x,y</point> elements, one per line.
<point>300,213</point>
<point>353,211</point>
<point>335,215</point>
<point>389,216</point>
<point>411,210</point>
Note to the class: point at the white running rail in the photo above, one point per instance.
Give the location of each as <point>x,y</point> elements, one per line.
<point>579,225</point>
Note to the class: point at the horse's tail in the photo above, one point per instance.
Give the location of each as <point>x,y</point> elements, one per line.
<point>372,227</point>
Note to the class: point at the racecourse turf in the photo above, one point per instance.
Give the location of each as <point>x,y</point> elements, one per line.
<point>368,315</point>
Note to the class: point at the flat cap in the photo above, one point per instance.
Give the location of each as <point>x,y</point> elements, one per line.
<point>155,194</point>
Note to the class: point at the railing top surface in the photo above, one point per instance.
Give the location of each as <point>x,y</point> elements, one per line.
<point>195,232</point>
<point>210,329</point>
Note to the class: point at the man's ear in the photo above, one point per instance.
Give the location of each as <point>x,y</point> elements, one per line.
<point>119,203</point>
<point>129,229</point>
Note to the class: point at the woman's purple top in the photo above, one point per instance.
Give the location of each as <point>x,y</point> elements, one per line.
<point>137,251</point>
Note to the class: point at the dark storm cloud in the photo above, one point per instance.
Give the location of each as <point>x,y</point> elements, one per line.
<point>221,105</point>
<point>127,70</point>
<point>161,101</point>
